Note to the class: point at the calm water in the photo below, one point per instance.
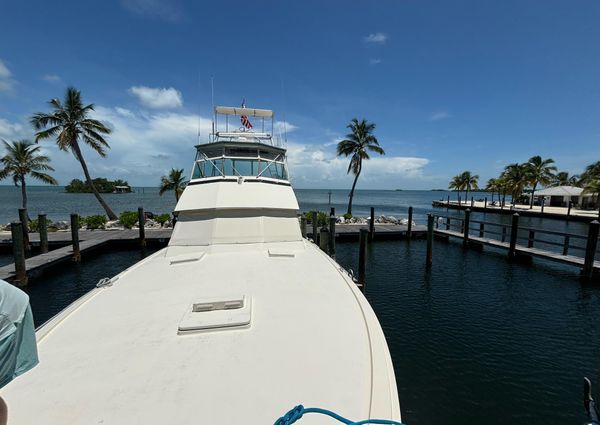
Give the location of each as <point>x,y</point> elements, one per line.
<point>474,340</point>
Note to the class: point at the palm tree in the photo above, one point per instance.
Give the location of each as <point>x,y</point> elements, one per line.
<point>591,173</point>
<point>516,177</point>
<point>22,159</point>
<point>358,143</point>
<point>541,171</point>
<point>562,178</point>
<point>469,182</point>
<point>592,187</point>
<point>493,186</point>
<point>69,122</point>
<point>174,181</point>
<point>456,184</point>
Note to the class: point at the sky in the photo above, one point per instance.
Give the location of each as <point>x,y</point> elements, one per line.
<point>451,85</point>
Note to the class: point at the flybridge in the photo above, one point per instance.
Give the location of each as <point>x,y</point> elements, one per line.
<point>242,124</point>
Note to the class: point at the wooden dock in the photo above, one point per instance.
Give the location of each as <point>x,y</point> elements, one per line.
<point>91,240</point>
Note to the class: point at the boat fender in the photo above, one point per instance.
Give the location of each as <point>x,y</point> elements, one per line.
<point>296,413</point>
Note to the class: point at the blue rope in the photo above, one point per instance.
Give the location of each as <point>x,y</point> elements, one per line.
<point>296,413</point>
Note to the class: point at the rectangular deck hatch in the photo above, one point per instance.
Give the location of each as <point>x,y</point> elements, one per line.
<point>216,313</point>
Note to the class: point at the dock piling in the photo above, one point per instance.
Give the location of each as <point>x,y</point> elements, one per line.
<point>324,240</point>
<point>18,253</point>
<point>481,230</point>
<point>569,208</point>
<point>485,203</point>
<point>75,237</point>
<point>303,226</point>
<point>315,222</point>
<point>332,235</point>
<point>566,245</point>
<point>447,223</point>
<point>43,230</point>
<point>24,228</point>
<point>141,224</point>
<point>503,239</point>
<point>466,228</point>
<point>590,249</point>
<point>530,239</point>
<point>472,202</point>
<point>543,203</point>
<point>362,258</point>
<point>429,258</point>
<point>372,225</point>
<point>409,229</point>
<point>514,229</point>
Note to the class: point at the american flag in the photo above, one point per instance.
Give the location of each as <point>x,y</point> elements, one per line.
<point>245,121</point>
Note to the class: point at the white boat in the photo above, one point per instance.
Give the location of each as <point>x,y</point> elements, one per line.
<point>236,321</point>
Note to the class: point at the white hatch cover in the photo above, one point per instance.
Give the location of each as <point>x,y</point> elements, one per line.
<point>215,313</point>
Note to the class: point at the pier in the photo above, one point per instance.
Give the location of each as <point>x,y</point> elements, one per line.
<point>521,241</point>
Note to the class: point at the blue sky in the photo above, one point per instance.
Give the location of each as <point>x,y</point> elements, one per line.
<point>451,85</point>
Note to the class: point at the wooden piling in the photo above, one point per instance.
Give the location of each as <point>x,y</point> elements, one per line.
<point>315,222</point>
<point>332,211</point>
<point>429,258</point>
<point>447,223</point>
<point>590,250</point>
<point>324,240</point>
<point>409,229</point>
<point>503,238</point>
<point>530,238</point>
<point>75,237</point>
<point>18,253</point>
<point>332,220</point>
<point>142,224</point>
<point>24,219</point>
<point>43,230</point>
<point>514,229</point>
<point>472,202</point>
<point>372,225</point>
<point>543,203</point>
<point>481,230</point>
<point>569,208</point>
<point>303,226</point>
<point>466,228</point>
<point>485,203</point>
<point>566,245</point>
<point>362,258</point>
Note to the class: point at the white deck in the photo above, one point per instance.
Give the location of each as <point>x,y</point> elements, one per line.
<point>313,339</point>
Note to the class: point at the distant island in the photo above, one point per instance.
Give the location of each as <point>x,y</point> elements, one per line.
<point>102,184</point>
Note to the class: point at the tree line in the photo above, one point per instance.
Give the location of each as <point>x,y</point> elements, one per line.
<point>69,124</point>
<point>536,172</point>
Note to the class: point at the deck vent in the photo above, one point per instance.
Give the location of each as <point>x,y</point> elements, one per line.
<point>281,254</point>
<point>217,313</point>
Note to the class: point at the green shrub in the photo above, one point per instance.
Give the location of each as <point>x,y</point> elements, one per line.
<point>347,216</point>
<point>128,218</point>
<point>94,221</point>
<point>162,218</point>
<point>33,225</point>
<point>322,218</point>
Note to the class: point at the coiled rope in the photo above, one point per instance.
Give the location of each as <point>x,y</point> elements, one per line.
<point>297,412</point>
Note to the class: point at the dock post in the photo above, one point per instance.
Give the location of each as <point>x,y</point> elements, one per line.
<point>472,202</point>
<point>75,237</point>
<point>485,203</point>
<point>466,228</point>
<point>590,249</point>
<point>19,253</point>
<point>24,228</point>
<point>315,222</point>
<point>481,230</point>
<point>409,229</point>
<point>303,226</point>
<point>43,230</point>
<point>543,203</point>
<point>447,223</point>
<point>362,258</point>
<point>459,201</point>
<point>332,220</point>
<point>141,224</point>
<point>429,258</point>
<point>530,239</point>
<point>569,208</point>
<point>324,240</point>
<point>566,245</point>
<point>503,239</point>
<point>448,203</point>
<point>372,225</point>
<point>514,229</point>
<point>332,211</point>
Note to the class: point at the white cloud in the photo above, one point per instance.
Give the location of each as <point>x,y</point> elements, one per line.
<point>374,61</point>
<point>168,10</point>
<point>376,38</point>
<point>6,81</point>
<point>52,78</point>
<point>280,127</point>
<point>438,116</point>
<point>158,98</point>
<point>318,165</point>
<point>9,130</point>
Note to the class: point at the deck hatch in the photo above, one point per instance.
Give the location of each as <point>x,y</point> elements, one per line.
<point>217,313</point>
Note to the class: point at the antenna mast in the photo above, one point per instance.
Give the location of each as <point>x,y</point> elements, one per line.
<point>212,92</point>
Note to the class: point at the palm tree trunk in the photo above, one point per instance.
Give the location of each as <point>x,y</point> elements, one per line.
<point>532,194</point>
<point>111,215</point>
<point>352,193</point>
<point>23,193</point>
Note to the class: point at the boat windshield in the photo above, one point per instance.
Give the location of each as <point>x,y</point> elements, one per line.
<point>240,163</point>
